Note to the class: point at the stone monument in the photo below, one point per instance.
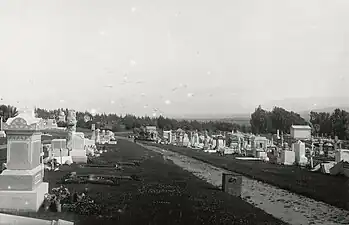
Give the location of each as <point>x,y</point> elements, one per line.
<point>60,151</point>
<point>71,128</point>
<point>21,184</point>
<point>98,136</point>
<point>93,129</point>
<point>78,152</point>
<point>299,150</point>
<point>75,143</point>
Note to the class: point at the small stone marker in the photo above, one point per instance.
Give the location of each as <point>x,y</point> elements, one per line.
<point>232,184</point>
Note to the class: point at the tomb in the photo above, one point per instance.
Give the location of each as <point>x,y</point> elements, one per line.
<point>21,184</point>
<point>300,132</point>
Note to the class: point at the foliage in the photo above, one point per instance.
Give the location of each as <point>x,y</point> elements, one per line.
<point>335,124</point>
<point>263,121</point>
<point>129,122</point>
<point>7,111</point>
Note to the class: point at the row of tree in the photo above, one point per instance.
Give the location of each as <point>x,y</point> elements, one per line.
<point>322,123</point>
<point>116,122</point>
<point>263,121</point>
<point>331,124</point>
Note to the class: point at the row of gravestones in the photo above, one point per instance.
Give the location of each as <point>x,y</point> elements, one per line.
<point>81,147</point>
<point>21,183</point>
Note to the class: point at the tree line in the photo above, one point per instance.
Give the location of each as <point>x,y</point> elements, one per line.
<point>322,123</point>
<point>261,121</point>
<point>129,122</point>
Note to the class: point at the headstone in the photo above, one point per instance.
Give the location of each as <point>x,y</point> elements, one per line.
<point>299,149</point>
<point>93,129</point>
<point>287,157</point>
<point>232,184</point>
<point>78,152</point>
<point>21,184</point>
<point>186,140</point>
<point>71,128</point>
<point>59,147</point>
<point>98,136</point>
<point>342,155</point>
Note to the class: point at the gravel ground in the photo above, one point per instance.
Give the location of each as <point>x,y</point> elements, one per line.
<point>284,205</point>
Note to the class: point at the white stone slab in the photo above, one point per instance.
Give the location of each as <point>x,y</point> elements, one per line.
<point>28,201</point>
<point>64,159</point>
<point>21,220</point>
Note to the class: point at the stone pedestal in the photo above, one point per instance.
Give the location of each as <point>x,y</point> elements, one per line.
<point>287,157</point>
<point>21,186</point>
<point>78,152</point>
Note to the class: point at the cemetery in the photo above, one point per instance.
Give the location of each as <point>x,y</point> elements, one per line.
<point>76,180</point>
<point>291,162</point>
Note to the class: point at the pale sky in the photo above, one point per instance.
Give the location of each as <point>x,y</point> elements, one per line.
<point>224,56</point>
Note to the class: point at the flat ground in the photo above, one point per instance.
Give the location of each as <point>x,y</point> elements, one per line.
<point>322,187</point>
<point>167,194</point>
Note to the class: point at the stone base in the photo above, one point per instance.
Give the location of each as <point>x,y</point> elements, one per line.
<point>21,180</point>
<point>78,156</point>
<point>302,161</point>
<point>287,157</point>
<point>12,219</point>
<point>64,159</point>
<point>25,201</point>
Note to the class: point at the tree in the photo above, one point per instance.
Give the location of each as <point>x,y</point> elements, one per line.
<point>8,112</point>
<point>260,121</point>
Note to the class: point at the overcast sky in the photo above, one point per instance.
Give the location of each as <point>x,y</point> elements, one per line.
<point>223,56</point>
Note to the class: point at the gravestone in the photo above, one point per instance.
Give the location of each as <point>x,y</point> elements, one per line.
<point>89,146</point>
<point>186,140</point>
<point>299,150</point>
<point>342,155</point>
<point>93,128</point>
<point>78,152</point>
<point>60,151</point>
<point>21,184</point>
<point>287,157</point>
<point>59,147</point>
<point>232,184</point>
<point>98,136</point>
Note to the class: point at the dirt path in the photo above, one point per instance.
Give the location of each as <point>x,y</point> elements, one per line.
<point>284,205</point>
